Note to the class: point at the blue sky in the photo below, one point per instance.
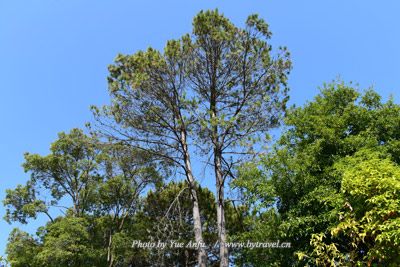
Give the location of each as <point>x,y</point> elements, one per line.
<point>54,57</point>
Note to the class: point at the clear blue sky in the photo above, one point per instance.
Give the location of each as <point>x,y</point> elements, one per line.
<point>54,56</point>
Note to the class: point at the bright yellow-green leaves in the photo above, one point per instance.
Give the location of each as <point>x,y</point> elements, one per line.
<point>369,219</point>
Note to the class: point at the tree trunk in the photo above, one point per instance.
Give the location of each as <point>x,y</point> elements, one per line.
<point>110,258</point>
<point>219,178</point>
<point>223,250</point>
<point>198,233</point>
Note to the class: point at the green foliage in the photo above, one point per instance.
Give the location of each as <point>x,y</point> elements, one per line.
<point>304,176</point>
<point>368,231</point>
<point>70,170</point>
<point>82,241</point>
<point>21,249</point>
<point>102,183</point>
<point>24,204</point>
<point>67,242</point>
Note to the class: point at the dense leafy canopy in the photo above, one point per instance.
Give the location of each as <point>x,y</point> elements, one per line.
<point>308,184</point>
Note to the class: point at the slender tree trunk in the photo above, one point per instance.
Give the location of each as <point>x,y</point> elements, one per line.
<point>223,250</point>
<point>198,233</point>
<point>219,182</point>
<point>110,258</point>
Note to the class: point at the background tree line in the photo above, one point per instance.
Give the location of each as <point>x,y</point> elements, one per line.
<point>329,185</point>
